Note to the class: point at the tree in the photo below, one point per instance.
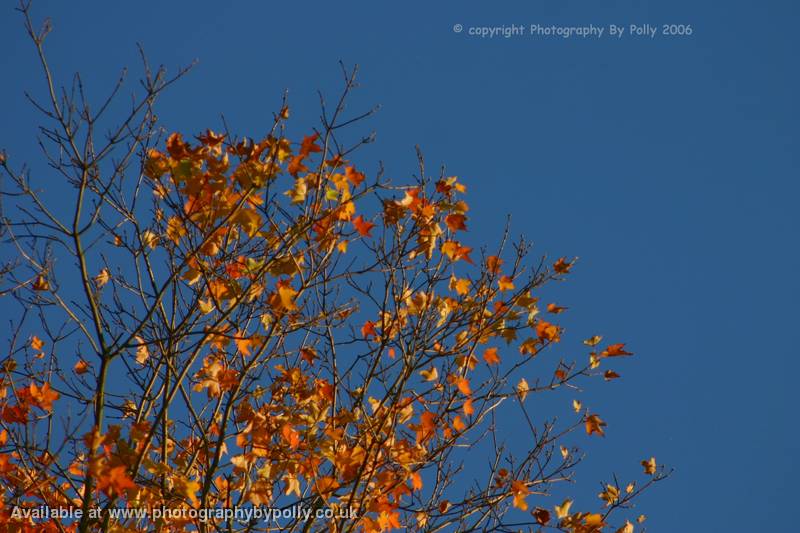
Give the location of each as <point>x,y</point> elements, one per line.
<point>220,325</point>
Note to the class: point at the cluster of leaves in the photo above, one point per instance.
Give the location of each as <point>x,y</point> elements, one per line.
<point>259,322</point>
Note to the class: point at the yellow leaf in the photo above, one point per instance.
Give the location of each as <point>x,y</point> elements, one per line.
<point>576,406</point>
<point>205,306</point>
<point>522,389</point>
<point>593,341</point>
<point>627,528</point>
<point>610,495</point>
<point>430,375</point>
<point>102,278</point>
<point>650,466</point>
<point>505,283</point>
<point>562,511</point>
<point>149,239</point>
<point>142,353</point>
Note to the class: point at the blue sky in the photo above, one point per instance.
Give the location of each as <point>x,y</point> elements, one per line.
<point>669,165</point>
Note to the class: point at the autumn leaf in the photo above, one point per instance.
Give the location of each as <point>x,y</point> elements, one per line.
<point>610,495</point>
<point>454,251</point>
<point>115,482</point>
<point>610,374</point>
<point>461,286</point>
<point>456,222</point>
<point>593,341</point>
<point>594,424</point>
<point>469,410</point>
<point>505,283</point>
<point>626,528</point>
<point>36,343</point>
<point>102,278</point>
<point>81,367</point>
<point>555,309</point>
<point>491,357</point>
<point>542,516</point>
<point>142,352</point>
<point>519,490</point>
<point>576,406</point>
<point>522,389</point>
<point>562,511</point>
<point>650,466</point>
<point>615,350</point>
<point>562,266</point>
<point>368,329</point>
<point>149,239</point>
<point>362,226</point>
<point>463,385</point>
<point>41,283</point>
<point>353,176</point>
<point>42,397</point>
<point>430,375</point>
<point>493,264</point>
<point>547,331</point>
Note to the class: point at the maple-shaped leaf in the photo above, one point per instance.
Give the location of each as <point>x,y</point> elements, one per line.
<point>562,511</point>
<point>353,176</point>
<point>368,329</point>
<point>519,490</point>
<point>456,222</point>
<point>41,283</point>
<point>364,227</point>
<point>42,397</point>
<point>562,266</point>
<point>115,482</point>
<point>430,375</point>
<point>594,424</point>
<point>505,283</point>
<point>615,350</point>
<point>650,466</point>
<point>454,251</point>
<point>491,357</point>
<point>493,264</point>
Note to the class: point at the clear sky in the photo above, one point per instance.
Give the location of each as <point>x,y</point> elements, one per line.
<point>668,164</point>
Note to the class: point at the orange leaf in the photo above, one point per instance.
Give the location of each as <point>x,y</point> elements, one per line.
<point>469,410</point>
<point>368,329</point>
<point>505,283</point>
<point>491,357</point>
<point>81,367</point>
<point>456,222</point>
<point>555,309</point>
<point>615,350</point>
<point>353,176</point>
<point>562,266</point>
<point>362,226</point>
<point>594,424</point>
<point>36,343</point>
